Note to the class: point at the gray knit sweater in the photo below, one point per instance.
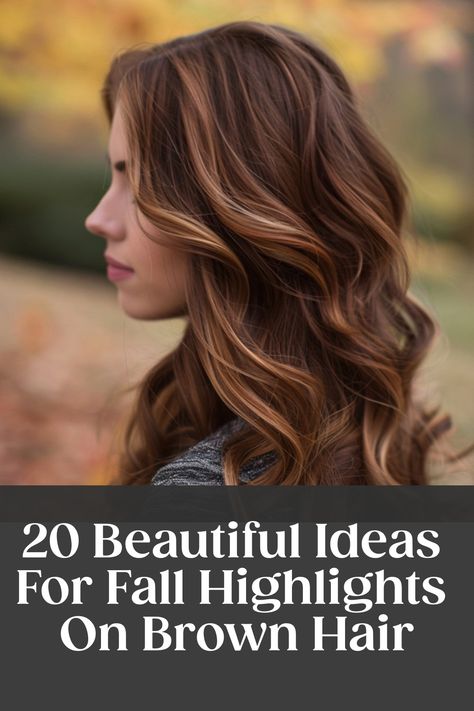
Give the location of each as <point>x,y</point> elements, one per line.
<point>201,465</point>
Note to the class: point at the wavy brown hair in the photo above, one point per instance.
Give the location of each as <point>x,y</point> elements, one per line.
<point>249,152</point>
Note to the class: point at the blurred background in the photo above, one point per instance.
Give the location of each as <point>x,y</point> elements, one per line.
<point>66,351</point>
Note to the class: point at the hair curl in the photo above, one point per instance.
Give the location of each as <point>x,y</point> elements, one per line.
<point>248,152</point>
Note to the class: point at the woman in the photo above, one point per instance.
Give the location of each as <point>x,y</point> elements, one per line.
<point>249,196</point>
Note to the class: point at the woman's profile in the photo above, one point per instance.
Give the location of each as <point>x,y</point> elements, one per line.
<point>250,197</point>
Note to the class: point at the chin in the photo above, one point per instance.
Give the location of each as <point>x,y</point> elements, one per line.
<point>147,312</point>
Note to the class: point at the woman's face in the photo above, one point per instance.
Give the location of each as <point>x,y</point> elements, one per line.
<point>150,278</point>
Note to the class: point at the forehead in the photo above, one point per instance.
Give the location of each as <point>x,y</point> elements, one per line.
<point>117,136</point>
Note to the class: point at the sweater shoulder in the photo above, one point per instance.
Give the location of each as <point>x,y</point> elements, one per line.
<point>201,464</point>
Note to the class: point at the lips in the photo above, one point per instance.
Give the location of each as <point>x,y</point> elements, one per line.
<point>116,263</point>
<point>116,271</point>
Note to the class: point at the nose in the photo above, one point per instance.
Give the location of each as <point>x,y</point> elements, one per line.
<point>93,225</point>
<point>102,222</point>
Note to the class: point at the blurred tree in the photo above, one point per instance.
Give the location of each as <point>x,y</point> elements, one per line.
<point>409,60</point>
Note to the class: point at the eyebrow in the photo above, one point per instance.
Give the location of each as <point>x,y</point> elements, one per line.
<point>119,165</point>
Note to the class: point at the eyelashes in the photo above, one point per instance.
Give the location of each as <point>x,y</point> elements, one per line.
<point>120,166</point>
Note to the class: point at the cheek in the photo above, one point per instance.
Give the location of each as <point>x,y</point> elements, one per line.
<point>158,294</point>
<point>149,255</point>
<point>162,265</point>
<point>162,280</point>
<point>158,289</point>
